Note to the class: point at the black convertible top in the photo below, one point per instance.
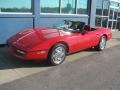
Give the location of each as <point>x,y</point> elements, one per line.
<point>73,26</point>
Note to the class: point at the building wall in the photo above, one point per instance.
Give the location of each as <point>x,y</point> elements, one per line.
<point>12,23</point>
<point>108,14</point>
<point>92,12</point>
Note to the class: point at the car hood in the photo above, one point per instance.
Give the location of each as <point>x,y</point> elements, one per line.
<point>28,38</point>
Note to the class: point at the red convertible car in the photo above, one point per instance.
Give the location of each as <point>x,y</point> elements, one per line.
<point>53,44</point>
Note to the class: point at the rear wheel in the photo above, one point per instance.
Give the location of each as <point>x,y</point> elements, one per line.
<point>57,54</point>
<point>102,43</point>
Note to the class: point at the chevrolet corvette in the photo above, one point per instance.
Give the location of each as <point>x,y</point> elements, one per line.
<point>54,43</point>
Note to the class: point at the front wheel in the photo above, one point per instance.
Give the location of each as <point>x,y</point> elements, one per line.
<point>57,54</point>
<point>102,43</point>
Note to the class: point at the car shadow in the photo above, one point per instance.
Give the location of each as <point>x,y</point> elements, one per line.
<point>91,49</point>
<point>7,61</point>
<point>86,50</point>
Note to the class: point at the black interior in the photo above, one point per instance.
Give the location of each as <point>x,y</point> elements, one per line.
<point>77,26</point>
<point>87,28</point>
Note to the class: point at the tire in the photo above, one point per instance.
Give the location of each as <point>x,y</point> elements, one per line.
<point>102,43</point>
<point>57,54</point>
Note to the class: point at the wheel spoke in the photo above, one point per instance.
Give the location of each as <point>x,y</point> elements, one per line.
<point>103,43</point>
<point>58,55</point>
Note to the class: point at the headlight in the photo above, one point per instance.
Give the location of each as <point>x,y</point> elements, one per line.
<point>20,51</point>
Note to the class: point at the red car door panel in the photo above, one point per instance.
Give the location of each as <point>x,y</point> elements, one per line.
<point>72,42</point>
<point>86,40</point>
<point>78,42</point>
<point>93,38</point>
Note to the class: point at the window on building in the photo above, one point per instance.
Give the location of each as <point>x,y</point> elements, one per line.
<point>111,14</point>
<point>68,6</point>
<point>114,24</point>
<point>98,21</point>
<point>114,4</point>
<point>105,7</point>
<point>119,12</point>
<point>15,6</point>
<point>118,24</point>
<point>104,21</point>
<point>115,14</point>
<point>49,6</point>
<point>82,7</point>
<point>99,7</point>
<point>110,24</point>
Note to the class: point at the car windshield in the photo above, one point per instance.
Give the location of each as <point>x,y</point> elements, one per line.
<point>71,26</point>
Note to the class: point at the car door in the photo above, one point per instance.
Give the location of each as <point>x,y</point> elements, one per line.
<point>86,40</point>
<point>77,41</point>
<point>94,38</point>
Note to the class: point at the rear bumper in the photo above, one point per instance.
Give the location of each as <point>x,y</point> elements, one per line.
<point>28,55</point>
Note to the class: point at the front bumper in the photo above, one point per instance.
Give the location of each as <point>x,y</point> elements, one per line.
<point>33,55</point>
